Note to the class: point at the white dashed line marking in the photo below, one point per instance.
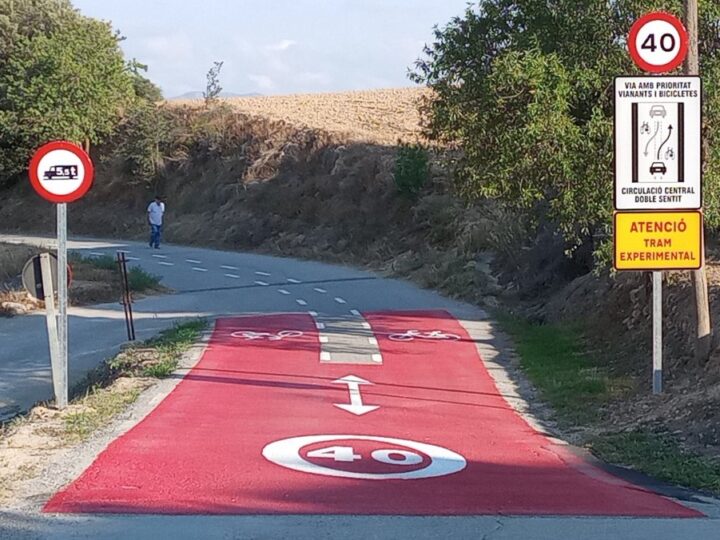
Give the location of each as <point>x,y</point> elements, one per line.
<point>321,291</point>
<point>320,326</point>
<point>283,291</point>
<point>96,253</point>
<point>324,339</point>
<point>132,259</point>
<point>377,358</point>
<point>340,300</point>
<point>160,256</point>
<point>262,274</point>
<point>193,261</point>
<point>373,341</point>
<point>295,281</point>
<point>366,325</point>
<point>166,263</point>
<point>355,312</point>
<point>325,356</point>
<point>200,269</point>
<point>262,284</point>
<point>313,313</point>
<point>301,302</point>
<point>229,267</point>
<point>232,276</point>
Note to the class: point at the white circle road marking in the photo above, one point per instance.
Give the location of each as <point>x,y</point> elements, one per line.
<point>443,462</point>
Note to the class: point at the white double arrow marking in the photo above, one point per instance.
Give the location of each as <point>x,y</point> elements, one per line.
<point>356,406</point>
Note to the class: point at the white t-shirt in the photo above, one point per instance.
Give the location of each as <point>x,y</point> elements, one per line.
<point>155,213</point>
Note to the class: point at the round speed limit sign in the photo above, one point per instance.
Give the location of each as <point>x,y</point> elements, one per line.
<point>658,42</point>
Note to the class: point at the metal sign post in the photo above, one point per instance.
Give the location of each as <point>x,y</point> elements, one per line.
<point>657,334</point>
<point>60,172</point>
<point>658,223</point>
<point>62,396</point>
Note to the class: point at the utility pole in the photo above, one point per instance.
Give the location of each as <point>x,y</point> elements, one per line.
<point>703,344</point>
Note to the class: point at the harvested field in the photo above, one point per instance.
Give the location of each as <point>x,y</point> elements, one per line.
<point>375,116</point>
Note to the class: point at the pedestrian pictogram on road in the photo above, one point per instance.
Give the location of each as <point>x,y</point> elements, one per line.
<point>658,143</point>
<point>658,42</point>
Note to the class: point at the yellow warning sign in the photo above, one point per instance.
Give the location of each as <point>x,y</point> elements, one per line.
<point>658,240</point>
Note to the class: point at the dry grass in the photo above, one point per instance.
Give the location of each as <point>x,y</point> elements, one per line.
<point>375,116</point>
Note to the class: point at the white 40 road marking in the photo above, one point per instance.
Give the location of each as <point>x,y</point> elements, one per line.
<point>347,454</point>
<point>395,452</point>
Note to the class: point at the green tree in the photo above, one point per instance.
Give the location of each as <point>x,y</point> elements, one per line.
<point>144,88</point>
<point>62,76</point>
<point>524,89</point>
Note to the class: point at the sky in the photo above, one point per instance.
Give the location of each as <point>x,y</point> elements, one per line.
<point>275,46</point>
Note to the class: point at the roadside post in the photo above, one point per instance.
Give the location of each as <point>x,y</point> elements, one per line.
<point>126,295</point>
<point>658,221</point>
<point>60,172</point>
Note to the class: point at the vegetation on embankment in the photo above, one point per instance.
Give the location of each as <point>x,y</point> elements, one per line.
<point>580,387</point>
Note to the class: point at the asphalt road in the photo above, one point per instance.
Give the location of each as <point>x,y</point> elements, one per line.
<point>227,285</point>
<point>206,283</point>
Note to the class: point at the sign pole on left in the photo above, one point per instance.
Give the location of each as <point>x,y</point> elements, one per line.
<point>61,172</point>
<point>62,399</point>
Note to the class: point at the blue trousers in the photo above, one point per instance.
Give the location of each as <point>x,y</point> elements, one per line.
<point>155,234</point>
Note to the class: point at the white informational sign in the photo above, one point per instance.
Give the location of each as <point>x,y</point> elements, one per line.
<point>658,150</point>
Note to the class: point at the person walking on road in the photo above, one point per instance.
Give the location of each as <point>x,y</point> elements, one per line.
<point>155,212</point>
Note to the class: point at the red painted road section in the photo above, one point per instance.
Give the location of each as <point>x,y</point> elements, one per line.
<point>200,451</point>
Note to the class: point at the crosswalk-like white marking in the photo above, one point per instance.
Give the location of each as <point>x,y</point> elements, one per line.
<point>262,274</point>
<point>283,291</point>
<point>193,261</point>
<point>291,280</point>
<point>225,267</point>
<point>301,302</point>
<point>200,269</point>
<point>324,339</point>
<point>355,312</point>
<point>321,291</point>
<point>377,358</point>
<point>166,263</point>
<point>340,300</point>
<point>262,284</point>
<point>320,326</point>
<point>325,356</point>
<point>232,276</point>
